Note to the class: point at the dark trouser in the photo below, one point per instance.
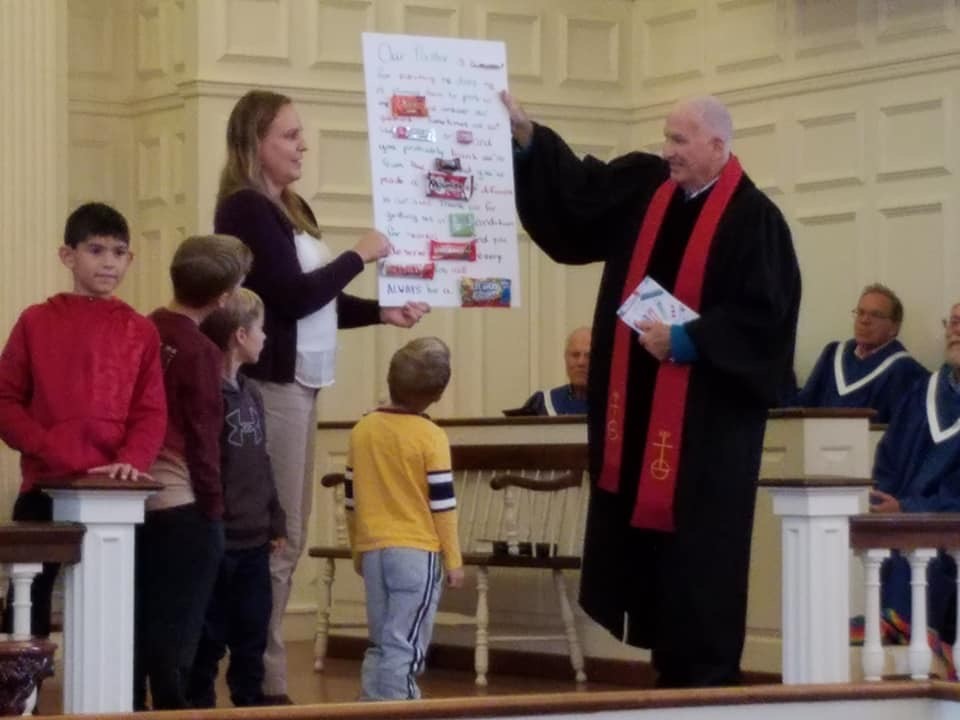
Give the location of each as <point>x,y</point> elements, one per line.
<point>35,506</point>
<point>675,671</point>
<point>238,617</point>
<point>178,554</point>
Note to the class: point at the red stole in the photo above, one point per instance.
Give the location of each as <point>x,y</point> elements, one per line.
<point>661,457</point>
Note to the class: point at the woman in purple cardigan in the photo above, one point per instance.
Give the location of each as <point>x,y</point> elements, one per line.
<point>301,284</point>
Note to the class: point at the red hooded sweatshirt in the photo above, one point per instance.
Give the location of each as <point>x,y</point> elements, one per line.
<point>81,386</point>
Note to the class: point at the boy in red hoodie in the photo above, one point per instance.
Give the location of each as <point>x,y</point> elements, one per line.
<point>81,389</point>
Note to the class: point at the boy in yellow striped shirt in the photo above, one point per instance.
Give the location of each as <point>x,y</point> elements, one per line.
<point>402,517</point>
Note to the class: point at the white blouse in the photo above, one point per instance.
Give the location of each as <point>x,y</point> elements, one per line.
<point>317,332</point>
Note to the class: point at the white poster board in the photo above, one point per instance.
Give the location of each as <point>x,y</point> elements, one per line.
<point>441,170</point>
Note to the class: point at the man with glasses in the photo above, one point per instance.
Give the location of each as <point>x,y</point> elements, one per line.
<point>917,469</point>
<point>872,369</point>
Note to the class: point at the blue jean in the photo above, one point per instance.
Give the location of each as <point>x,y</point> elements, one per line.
<point>403,589</point>
<point>237,617</point>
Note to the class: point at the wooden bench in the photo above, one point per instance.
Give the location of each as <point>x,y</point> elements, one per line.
<point>521,508</point>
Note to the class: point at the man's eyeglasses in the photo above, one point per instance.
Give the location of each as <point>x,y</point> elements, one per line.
<point>952,322</point>
<point>868,314</point>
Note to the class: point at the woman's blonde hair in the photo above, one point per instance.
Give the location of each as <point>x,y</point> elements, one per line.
<point>248,125</point>
<point>242,309</point>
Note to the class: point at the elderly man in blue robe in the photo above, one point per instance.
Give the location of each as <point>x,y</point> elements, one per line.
<point>569,399</point>
<point>872,369</point>
<point>918,470</point>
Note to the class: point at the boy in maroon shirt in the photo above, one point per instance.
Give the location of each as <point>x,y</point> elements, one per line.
<point>80,384</point>
<point>181,541</point>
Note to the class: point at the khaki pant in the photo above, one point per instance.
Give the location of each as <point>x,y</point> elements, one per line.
<point>291,417</point>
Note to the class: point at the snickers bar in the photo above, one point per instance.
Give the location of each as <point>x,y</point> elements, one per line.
<point>448,186</point>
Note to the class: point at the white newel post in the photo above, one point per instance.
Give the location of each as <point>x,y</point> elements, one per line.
<point>816,466</point>
<point>98,603</point>
<point>816,560</point>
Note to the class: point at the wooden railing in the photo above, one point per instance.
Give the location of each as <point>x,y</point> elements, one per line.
<point>882,701</point>
<point>24,661</point>
<point>917,536</point>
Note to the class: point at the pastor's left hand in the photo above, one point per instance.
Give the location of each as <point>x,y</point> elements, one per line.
<point>406,316</point>
<point>655,339</point>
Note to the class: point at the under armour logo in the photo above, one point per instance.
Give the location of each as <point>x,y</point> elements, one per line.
<point>240,427</point>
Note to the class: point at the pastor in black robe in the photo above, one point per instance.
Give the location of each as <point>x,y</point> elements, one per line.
<point>682,594</point>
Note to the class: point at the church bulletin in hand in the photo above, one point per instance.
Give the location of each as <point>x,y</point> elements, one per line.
<point>650,301</point>
<point>441,170</point>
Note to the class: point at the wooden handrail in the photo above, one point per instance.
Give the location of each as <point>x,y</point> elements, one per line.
<point>331,480</point>
<point>905,531</point>
<point>559,456</point>
<point>567,480</point>
<point>816,481</point>
<point>28,542</point>
<point>574,704</point>
<point>526,420</point>
<point>97,482</point>
<point>544,456</point>
<point>810,412</point>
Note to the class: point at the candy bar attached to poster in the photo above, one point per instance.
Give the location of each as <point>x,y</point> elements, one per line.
<point>441,170</point>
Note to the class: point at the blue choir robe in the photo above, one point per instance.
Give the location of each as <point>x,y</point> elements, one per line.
<point>878,381</point>
<point>558,401</point>
<point>918,462</point>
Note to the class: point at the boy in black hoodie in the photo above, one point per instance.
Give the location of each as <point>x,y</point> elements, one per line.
<point>254,522</point>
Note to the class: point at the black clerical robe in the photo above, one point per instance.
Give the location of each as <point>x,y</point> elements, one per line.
<point>683,593</point>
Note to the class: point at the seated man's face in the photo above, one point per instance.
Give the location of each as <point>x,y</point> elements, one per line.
<point>873,323</point>
<point>952,337</point>
<point>577,357</point>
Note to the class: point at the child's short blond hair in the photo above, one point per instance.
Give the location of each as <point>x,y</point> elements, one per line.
<point>419,373</point>
<point>241,310</point>
<point>206,266</point>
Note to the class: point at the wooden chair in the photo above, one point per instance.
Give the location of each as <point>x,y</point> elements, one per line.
<point>521,508</point>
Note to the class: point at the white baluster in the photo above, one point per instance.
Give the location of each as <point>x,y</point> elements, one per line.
<point>21,577</point>
<point>872,658</point>
<point>570,628</point>
<point>920,655</point>
<point>328,569</point>
<point>481,656</point>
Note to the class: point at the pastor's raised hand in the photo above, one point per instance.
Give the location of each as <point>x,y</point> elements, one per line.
<point>520,124</point>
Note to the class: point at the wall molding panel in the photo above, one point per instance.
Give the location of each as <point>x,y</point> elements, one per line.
<point>333,33</point>
<point>829,150</point>
<point>899,124</point>
<point>824,27</point>
<point>766,20</point>
<point>255,31</point>
<point>589,51</point>
<point>522,33</point>
<point>661,36</point>
<point>436,19</point>
<point>900,19</point>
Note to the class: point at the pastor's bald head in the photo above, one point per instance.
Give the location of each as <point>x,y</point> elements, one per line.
<point>697,136</point>
<point>712,115</point>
